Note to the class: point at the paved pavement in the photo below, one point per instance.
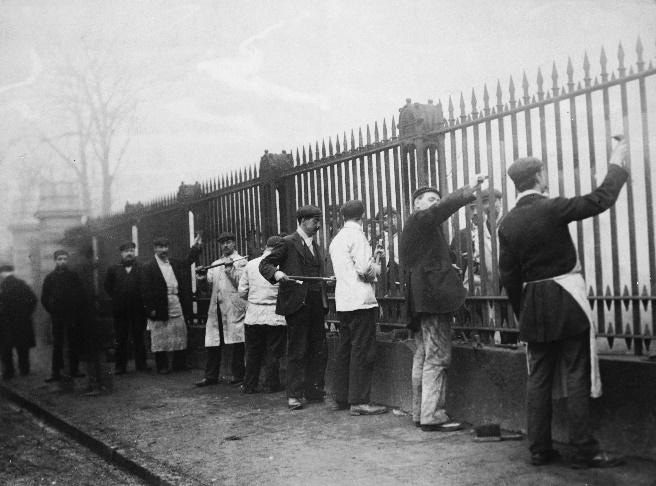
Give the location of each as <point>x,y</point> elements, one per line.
<point>216,435</point>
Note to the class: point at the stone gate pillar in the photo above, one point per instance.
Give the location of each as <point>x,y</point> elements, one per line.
<point>417,126</point>
<point>278,194</point>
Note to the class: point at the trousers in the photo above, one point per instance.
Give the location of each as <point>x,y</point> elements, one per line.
<point>356,354</point>
<point>542,361</point>
<point>307,352</point>
<point>429,369</point>
<point>263,344</point>
<point>132,325</point>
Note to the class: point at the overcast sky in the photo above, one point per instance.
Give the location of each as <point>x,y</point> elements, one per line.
<point>233,78</point>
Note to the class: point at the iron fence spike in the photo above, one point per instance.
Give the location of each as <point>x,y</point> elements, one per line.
<point>368,135</point>
<point>394,134</point>
<point>376,136</point>
<point>384,129</point>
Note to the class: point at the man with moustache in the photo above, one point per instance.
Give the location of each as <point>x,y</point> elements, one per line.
<point>304,305</point>
<point>166,291</point>
<point>123,285</point>
<point>225,316</point>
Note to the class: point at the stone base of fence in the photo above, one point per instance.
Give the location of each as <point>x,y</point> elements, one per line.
<point>489,385</point>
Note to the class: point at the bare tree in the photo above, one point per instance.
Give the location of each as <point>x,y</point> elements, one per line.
<point>92,100</point>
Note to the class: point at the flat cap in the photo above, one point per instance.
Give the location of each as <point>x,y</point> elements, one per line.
<point>59,253</point>
<point>307,212</point>
<point>524,169</point>
<point>353,209</point>
<point>126,245</point>
<point>225,236</point>
<point>161,241</point>
<point>273,241</point>
<point>422,190</point>
<point>6,268</point>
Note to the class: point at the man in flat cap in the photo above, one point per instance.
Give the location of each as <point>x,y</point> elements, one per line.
<point>64,297</point>
<point>166,291</point>
<point>356,270</point>
<point>225,316</point>
<point>433,291</point>
<point>539,268</point>
<point>304,305</point>
<point>123,285</point>
<point>17,303</point>
<point>265,331</point>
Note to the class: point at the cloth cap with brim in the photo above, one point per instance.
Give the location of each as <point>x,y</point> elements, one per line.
<point>127,245</point>
<point>273,241</point>
<point>161,241</point>
<point>226,236</point>
<point>59,253</point>
<point>353,209</point>
<point>6,268</point>
<point>423,190</point>
<point>307,212</point>
<point>523,170</point>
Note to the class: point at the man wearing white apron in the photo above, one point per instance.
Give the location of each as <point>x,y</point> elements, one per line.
<point>228,326</point>
<point>539,268</point>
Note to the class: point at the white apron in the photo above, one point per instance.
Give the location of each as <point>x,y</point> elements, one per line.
<point>225,296</point>
<point>574,284</point>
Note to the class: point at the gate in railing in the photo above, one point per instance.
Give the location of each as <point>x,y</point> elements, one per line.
<point>568,124</point>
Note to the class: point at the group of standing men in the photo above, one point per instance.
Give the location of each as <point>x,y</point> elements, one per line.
<point>539,269</point>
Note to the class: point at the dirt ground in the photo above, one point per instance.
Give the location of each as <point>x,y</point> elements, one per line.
<point>216,435</point>
<point>32,454</point>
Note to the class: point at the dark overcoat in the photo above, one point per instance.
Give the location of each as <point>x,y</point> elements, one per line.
<point>431,283</point>
<point>125,290</point>
<point>154,290</point>
<point>63,293</point>
<point>17,303</point>
<point>292,257</point>
<point>535,244</point>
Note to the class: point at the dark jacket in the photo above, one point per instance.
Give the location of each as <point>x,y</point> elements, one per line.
<point>63,293</point>
<point>125,290</point>
<point>153,286</point>
<point>535,243</point>
<point>293,257</point>
<point>431,283</point>
<point>17,303</point>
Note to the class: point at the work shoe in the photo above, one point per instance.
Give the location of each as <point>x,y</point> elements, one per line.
<point>444,427</point>
<point>601,460</point>
<point>53,378</point>
<point>545,457</point>
<point>294,404</point>
<point>120,371</point>
<point>248,391</point>
<point>77,374</point>
<point>206,382</point>
<point>236,381</point>
<point>336,406</point>
<point>367,409</point>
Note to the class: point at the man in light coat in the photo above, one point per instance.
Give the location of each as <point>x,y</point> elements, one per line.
<point>265,331</point>
<point>225,316</point>
<point>356,271</point>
